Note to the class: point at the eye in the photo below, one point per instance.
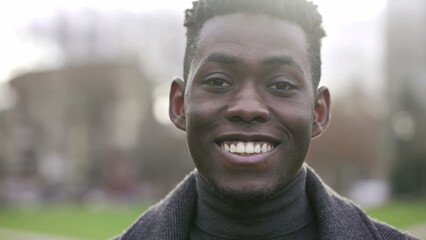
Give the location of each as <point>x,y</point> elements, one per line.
<point>281,86</point>
<point>217,82</point>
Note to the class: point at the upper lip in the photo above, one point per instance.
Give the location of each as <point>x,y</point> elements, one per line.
<point>247,137</point>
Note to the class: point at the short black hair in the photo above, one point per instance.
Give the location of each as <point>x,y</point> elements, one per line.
<point>301,12</point>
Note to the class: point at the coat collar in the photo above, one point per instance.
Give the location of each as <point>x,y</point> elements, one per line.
<point>171,218</point>
<point>338,218</point>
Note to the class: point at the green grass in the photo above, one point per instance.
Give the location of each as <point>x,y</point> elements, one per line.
<point>400,214</point>
<point>72,221</point>
<point>103,223</point>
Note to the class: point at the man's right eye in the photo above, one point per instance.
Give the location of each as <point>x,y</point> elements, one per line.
<point>217,82</point>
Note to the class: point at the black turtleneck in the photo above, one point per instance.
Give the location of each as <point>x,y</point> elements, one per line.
<point>287,215</point>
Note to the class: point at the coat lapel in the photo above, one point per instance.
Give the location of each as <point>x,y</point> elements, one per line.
<point>338,218</point>
<point>169,219</point>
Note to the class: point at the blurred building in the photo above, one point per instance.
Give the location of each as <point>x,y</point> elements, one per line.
<point>406,85</point>
<point>83,129</point>
<point>88,126</point>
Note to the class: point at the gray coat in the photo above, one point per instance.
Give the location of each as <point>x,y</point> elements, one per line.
<point>337,217</point>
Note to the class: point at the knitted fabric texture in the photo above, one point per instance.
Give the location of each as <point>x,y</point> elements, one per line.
<point>337,217</point>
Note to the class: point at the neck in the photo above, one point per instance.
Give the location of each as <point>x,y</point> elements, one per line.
<point>287,211</point>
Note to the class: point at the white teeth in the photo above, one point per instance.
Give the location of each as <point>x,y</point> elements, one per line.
<point>233,148</point>
<point>240,147</point>
<point>247,148</point>
<point>226,147</point>
<point>257,148</point>
<point>264,148</point>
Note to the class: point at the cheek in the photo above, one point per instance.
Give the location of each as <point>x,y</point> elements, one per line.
<point>201,119</point>
<point>202,112</point>
<point>304,118</point>
<point>197,116</point>
<point>297,112</point>
<point>300,119</point>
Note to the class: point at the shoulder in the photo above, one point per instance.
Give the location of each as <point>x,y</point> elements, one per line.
<point>384,230</point>
<point>388,232</point>
<point>167,217</point>
<point>339,217</point>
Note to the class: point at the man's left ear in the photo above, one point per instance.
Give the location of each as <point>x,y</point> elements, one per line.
<point>322,111</point>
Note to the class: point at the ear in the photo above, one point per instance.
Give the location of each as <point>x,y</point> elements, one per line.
<point>322,111</point>
<point>177,103</point>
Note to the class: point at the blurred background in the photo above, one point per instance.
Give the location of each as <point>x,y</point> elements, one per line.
<point>85,139</point>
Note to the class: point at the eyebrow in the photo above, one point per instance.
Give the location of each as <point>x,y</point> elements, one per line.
<point>275,60</point>
<point>222,58</point>
<point>283,60</point>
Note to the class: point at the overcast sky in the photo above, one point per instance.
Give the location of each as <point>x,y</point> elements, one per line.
<point>341,19</point>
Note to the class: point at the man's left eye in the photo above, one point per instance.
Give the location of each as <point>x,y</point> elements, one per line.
<point>281,86</point>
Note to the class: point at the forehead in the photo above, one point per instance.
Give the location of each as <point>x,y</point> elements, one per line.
<point>252,37</point>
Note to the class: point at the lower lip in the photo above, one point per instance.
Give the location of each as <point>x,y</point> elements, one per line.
<point>251,160</point>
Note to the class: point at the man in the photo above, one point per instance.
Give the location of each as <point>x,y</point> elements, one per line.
<point>250,104</point>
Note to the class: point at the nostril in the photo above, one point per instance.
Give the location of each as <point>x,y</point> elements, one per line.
<point>260,119</point>
<point>248,113</point>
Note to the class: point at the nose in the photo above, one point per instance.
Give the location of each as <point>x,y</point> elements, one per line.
<point>247,106</point>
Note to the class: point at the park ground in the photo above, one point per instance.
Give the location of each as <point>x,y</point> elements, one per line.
<point>75,222</point>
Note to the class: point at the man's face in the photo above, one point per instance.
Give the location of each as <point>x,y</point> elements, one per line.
<point>249,107</point>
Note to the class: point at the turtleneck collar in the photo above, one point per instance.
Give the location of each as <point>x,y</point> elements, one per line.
<point>286,212</point>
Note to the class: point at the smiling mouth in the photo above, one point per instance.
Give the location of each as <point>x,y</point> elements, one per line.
<point>246,147</point>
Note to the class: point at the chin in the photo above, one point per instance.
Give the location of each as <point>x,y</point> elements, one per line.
<point>244,194</point>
